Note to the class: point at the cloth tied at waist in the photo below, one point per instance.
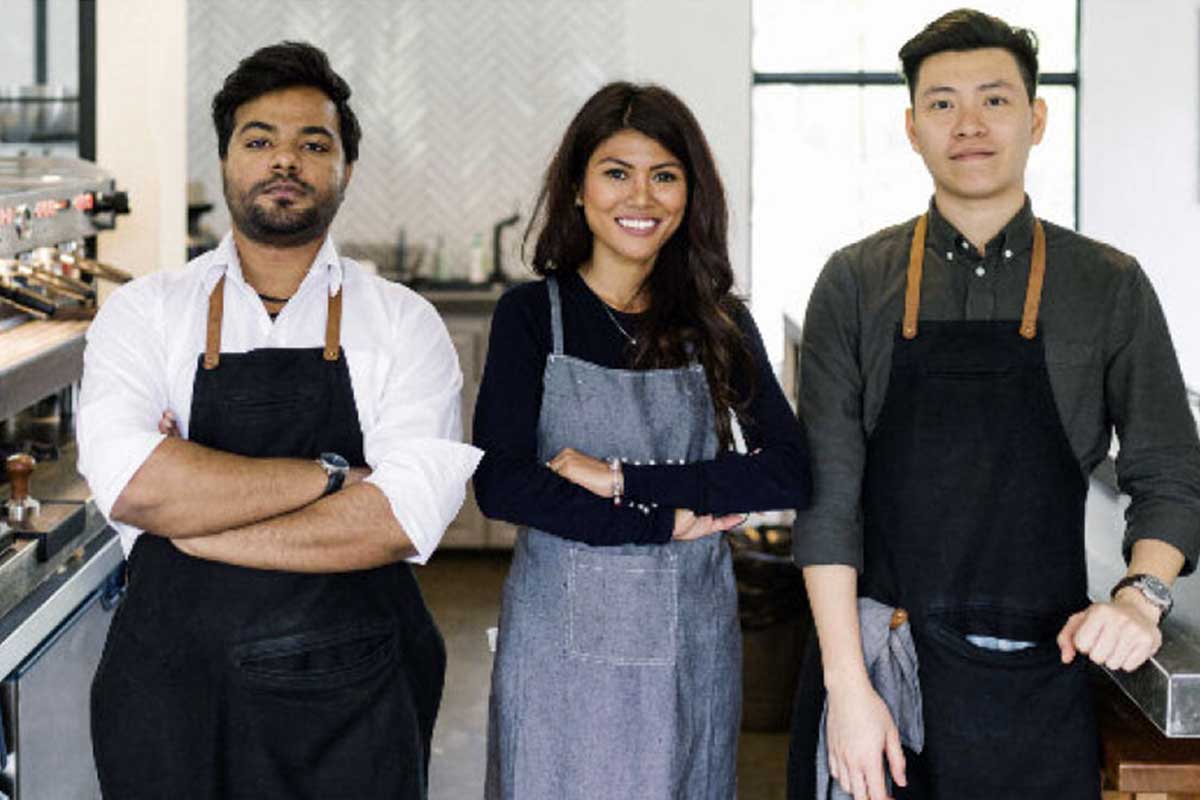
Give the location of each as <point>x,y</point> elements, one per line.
<point>891,659</point>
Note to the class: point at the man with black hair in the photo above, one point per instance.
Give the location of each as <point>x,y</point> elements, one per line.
<point>271,464</point>
<point>961,375</point>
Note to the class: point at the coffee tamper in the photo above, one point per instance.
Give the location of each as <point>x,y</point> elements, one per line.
<point>21,507</point>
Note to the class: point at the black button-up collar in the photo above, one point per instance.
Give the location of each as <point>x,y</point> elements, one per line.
<point>1014,239</point>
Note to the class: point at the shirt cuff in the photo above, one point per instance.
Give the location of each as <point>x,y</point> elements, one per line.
<point>651,483</point>
<point>121,466</point>
<point>1178,529</point>
<point>425,482</point>
<point>822,545</point>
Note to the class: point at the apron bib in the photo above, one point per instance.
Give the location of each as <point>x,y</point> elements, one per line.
<point>618,669</point>
<point>973,504</point>
<point>220,681</point>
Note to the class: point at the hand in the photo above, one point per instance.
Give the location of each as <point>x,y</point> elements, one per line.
<point>1120,634</point>
<point>583,470</point>
<point>355,475</point>
<point>168,424</point>
<point>859,735</point>
<point>688,526</point>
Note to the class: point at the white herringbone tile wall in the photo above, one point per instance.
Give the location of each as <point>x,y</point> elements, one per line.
<point>461,101</point>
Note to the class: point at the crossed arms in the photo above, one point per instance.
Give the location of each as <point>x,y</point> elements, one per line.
<point>266,513</point>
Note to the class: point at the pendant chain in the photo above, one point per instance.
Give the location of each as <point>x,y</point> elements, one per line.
<point>620,327</point>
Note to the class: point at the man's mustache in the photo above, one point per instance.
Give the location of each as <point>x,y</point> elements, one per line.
<point>272,183</point>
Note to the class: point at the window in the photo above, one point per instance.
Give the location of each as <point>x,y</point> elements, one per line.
<point>831,163</point>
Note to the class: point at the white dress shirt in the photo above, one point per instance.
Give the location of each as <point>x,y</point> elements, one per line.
<point>142,352</point>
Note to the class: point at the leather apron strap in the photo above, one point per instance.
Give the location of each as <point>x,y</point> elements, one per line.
<point>216,311</point>
<point>333,327</point>
<point>1033,289</point>
<point>212,339</point>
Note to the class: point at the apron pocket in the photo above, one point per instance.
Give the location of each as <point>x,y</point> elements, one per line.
<point>622,608</point>
<point>317,660</point>
<point>322,714</point>
<point>1005,723</point>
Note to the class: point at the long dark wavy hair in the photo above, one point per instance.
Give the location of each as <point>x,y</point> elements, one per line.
<point>691,307</point>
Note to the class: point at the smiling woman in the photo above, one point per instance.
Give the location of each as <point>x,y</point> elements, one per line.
<point>633,197</point>
<point>604,413</point>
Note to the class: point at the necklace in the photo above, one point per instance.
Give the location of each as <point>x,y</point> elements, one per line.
<point>270,299</point>
<point>613,317</point>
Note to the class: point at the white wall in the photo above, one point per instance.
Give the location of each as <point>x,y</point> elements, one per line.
<point>1140,148</point>
<point>700,49</point>
<point>141,133</point>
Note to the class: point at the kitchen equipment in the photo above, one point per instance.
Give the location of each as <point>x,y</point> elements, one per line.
<point>45,699</point>
<point>498,273</point>
<point>21,508</point>
<point>95,269</point>
<point>52,523</point>
<point>38,114</point>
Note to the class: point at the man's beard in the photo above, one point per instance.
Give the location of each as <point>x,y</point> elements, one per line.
<point>280,225</point>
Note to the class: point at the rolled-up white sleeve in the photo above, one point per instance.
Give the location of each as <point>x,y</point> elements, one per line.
<point>414,446</point>
<point>123,393</point>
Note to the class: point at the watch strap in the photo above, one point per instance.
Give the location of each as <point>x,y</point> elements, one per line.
<point>335,481</point>
<point>335,473</point>
<point>1139,581</point>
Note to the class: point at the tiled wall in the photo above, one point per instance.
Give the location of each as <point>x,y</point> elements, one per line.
<point>461,101</point>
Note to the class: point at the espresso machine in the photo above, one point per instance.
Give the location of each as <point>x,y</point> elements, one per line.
<point>59,561</point>
<point>49,211</point>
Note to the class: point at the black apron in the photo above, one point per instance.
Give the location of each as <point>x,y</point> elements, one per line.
<point>973,505</point>
<point>225,682</point>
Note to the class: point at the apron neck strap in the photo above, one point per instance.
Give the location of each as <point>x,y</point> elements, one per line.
<point>1037,276</point>
<point>212,341</point>
<point>216,311</point>
<point>912,289</point>
<point>1033,289</point>
<point>556,326</point>
<point>333,327</point>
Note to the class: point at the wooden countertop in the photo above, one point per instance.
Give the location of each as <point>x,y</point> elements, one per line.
<point>36,337</point>
<point>1137,758</point>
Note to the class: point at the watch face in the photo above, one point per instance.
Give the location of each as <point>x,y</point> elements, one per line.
<point>335,461</point>
<point>1155,589</point>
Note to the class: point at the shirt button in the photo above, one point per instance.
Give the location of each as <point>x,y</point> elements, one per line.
<point>980,271</point>
<point>965,244</point>
<point>1008,253</point>
<point>949,255</point>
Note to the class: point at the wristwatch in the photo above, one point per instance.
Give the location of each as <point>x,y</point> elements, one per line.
<point>1154,590</point>
<point>336,468</point>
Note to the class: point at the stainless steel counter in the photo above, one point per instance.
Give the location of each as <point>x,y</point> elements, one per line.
<point>35,596</point>
<point>81,569</point>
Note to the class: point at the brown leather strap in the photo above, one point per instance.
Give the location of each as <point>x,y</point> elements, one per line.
<point>333,327</point>
<point>212,341</point>
<point>912,292</point>
<point>1033,289</point>
<point>1037,276</point>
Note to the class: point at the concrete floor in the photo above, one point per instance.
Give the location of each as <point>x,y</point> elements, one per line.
<point>463,592</point>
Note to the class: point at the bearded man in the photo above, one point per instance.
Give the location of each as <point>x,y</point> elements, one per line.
<point>271,465</point>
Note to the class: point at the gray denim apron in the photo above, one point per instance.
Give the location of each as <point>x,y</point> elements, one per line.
<point>618,669</point>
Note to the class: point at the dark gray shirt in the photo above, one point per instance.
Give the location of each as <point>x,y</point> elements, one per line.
<point>1108,352</point>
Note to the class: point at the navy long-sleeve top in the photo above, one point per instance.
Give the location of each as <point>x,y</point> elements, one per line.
<point>511,484</point>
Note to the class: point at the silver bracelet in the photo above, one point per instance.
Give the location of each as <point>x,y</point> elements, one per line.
<point>618,480</point>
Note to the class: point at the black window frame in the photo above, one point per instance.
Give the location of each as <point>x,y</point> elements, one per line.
<point>861,79</point>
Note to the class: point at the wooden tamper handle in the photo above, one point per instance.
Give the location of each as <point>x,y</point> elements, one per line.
<point>19,467</point>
